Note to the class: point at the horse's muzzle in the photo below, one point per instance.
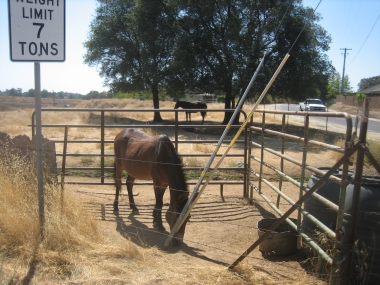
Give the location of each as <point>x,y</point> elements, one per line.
<point>177,240</point>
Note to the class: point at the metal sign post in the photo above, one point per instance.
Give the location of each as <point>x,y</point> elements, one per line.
<point>37,33</point>
<point>37,98</point>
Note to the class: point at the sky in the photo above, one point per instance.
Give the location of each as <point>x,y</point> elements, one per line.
<point>352,24</point>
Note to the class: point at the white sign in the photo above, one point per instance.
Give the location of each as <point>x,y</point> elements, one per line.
<point>37,30</point>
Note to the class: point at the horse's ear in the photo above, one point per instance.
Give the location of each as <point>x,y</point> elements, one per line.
<point>183,197</point>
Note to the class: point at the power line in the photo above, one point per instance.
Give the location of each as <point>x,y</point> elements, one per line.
<point>365,40</point>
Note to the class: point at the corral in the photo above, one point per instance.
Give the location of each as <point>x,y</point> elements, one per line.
<point>219,230</point>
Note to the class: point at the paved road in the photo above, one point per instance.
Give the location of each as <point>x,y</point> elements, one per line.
<point>373,124</point>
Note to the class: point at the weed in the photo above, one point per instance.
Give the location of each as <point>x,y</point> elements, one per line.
<point>203,148</point>
<point>193,162</point>
<point>87,160</point>
<point>372,145</point>
<point>108,162</point>
<point>68,226</point>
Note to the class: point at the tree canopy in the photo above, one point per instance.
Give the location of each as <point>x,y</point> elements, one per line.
<point>210,46</point>
<point>334,87</point>
<point>132,42</point>
<point>368,82</point>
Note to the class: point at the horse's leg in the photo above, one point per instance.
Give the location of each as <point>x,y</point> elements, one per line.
<point>132,204</point>
<point>159,192</point>
<point>203,117</point>
<point>187,117</point>
<point>118,174</point>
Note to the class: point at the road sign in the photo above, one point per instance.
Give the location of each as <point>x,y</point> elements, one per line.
<point>37,30</point>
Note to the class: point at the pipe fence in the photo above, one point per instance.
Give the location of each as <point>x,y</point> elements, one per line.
<point>264,173</point>
<point>258,174</point>
<point>113,119</point>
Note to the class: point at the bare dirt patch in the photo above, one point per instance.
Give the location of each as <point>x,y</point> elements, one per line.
<point>218,232</point>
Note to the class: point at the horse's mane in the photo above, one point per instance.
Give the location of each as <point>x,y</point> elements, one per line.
<point>166,154</point>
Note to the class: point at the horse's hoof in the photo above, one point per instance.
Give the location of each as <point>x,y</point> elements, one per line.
<point>161,229</point>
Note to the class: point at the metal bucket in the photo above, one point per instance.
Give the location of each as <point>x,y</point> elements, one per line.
<point>282,241</point>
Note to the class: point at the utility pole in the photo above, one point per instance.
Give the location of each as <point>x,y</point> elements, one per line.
<point>344,66</point>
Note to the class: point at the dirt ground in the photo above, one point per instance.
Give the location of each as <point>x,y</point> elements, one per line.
<point>217,234</point>
<point>219,231</point>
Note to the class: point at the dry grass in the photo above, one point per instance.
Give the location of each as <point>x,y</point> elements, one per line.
<point>204,148</point>
<point>69,231</point>
<point>337,155</point>
<point>193,162</point>
<point>68,226</point>
<point>73,248</point>
<point>312,261</point>
<point>320,137</point>
<point>373,146</point>
<point>16,122</point>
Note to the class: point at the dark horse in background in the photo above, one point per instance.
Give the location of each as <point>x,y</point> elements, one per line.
<point>152,158</point>
<point>189,105</point>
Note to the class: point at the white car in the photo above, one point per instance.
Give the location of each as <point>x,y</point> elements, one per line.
<point>312,105</point>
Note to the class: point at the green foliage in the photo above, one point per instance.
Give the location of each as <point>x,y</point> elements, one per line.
<point>221,47</point>
<point>267,99</point>
<point>220,98</point>
<point>142,95</point>
<point>335,86</point>
<point>347,85</point>
<point>209,46</point>
<point>360,96</point>
<point>368,82</point>
<point>330,101</point>
<point>132,42</point>
<point>44,94</point>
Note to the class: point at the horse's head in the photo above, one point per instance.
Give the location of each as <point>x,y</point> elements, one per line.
<point>173,213</point>
<point>176,106</point>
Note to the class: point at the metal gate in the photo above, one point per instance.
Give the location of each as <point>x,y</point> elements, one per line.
<point>263,184</point>
<point>122,120</point>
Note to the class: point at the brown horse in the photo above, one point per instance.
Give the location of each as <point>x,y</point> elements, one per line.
<point>189,105</point>
<point>152,158</point>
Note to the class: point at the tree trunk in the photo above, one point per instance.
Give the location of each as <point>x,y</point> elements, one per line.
<point>156,103</point>
<point>229,103</point>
